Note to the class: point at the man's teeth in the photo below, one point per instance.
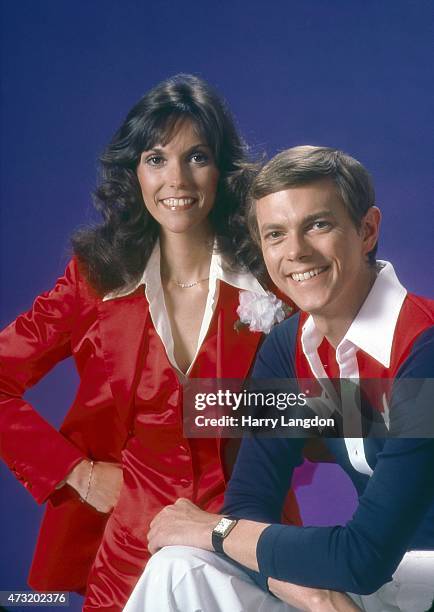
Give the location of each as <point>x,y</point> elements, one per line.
<point>306,275</point>
<point>177,202</point>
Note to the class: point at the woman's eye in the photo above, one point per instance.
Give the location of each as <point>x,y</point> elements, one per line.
<point>154,160</point>
<point>199,158</point>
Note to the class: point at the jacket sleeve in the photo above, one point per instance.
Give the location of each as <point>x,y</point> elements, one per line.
<point>38,455</point>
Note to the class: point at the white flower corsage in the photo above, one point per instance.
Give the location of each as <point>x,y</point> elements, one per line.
<point>260,312</point>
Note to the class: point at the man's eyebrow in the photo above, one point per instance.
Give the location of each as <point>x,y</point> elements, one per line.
<point>321,214</point>
<point>271,226</point>
<point>318,215</point>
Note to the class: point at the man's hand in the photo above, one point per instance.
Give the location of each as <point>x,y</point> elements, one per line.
<point>311,599</point>
<point>184,524</point>
<point>99,486</point>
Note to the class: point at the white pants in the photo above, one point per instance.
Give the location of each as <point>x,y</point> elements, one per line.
<point>186,579</point>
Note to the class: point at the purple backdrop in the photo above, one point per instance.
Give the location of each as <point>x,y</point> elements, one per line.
<point>354,75</point>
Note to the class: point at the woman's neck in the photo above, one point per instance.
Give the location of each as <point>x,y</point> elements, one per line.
<point>185,258</point>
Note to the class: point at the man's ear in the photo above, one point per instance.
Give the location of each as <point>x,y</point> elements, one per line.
<point>370,228</point>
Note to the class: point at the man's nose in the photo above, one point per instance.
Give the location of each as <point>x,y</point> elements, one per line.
<point>297,247</point>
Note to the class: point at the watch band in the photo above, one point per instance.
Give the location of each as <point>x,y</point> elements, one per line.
<point>221,531</point>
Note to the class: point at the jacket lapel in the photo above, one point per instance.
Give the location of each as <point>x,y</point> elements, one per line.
<point>122,324</point>
<point>225,352</point>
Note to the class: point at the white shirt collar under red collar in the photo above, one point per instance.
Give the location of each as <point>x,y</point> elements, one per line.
<point>157,308</point>
<point>373,329</point>
<point>218,271</point>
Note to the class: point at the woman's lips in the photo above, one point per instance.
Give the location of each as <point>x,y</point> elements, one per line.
<point>177,203</point>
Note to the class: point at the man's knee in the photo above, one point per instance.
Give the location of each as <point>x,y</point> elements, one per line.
<point>177,559</point>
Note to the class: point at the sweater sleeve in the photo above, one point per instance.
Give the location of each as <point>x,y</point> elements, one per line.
<point>38,455</point>
<point>362,555</point>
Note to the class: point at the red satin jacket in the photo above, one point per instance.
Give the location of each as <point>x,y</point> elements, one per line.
<point>109,341</point>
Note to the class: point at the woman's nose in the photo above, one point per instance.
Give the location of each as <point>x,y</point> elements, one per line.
<point>178,176</point>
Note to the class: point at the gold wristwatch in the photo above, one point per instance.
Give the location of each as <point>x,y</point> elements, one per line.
<point>221,531</point>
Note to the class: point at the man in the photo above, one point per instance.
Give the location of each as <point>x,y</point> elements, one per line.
<point>313,214</point>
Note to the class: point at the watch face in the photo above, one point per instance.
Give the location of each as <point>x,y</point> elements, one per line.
<point>223,526</point>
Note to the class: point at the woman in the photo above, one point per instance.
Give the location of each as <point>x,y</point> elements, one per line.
<point>149,299</point>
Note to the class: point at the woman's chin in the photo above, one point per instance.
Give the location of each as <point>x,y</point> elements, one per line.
<point>184,226</point>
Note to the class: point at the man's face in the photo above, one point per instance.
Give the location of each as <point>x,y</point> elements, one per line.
<point>313,251</point>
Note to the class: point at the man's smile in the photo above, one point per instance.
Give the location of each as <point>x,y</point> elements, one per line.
<point>300,277</point>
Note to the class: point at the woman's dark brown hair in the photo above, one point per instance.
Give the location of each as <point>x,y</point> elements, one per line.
<point>114,253</point>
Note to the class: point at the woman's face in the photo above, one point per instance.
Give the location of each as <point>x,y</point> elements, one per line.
<point>179,181</point>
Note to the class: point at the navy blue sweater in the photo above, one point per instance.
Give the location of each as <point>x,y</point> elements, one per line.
<point>396,504</point>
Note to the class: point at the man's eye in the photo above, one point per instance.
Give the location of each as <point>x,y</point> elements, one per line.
<point>274,235</point>
<point>319,225</point>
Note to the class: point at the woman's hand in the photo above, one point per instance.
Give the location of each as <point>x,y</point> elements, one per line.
<point>184,524</point>
<point>99,486</point>
<point>311,599</point>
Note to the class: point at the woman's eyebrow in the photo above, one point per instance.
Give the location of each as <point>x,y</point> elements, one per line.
<point>199,145</point>
<point>162,150</point>
<point>156,149</point>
